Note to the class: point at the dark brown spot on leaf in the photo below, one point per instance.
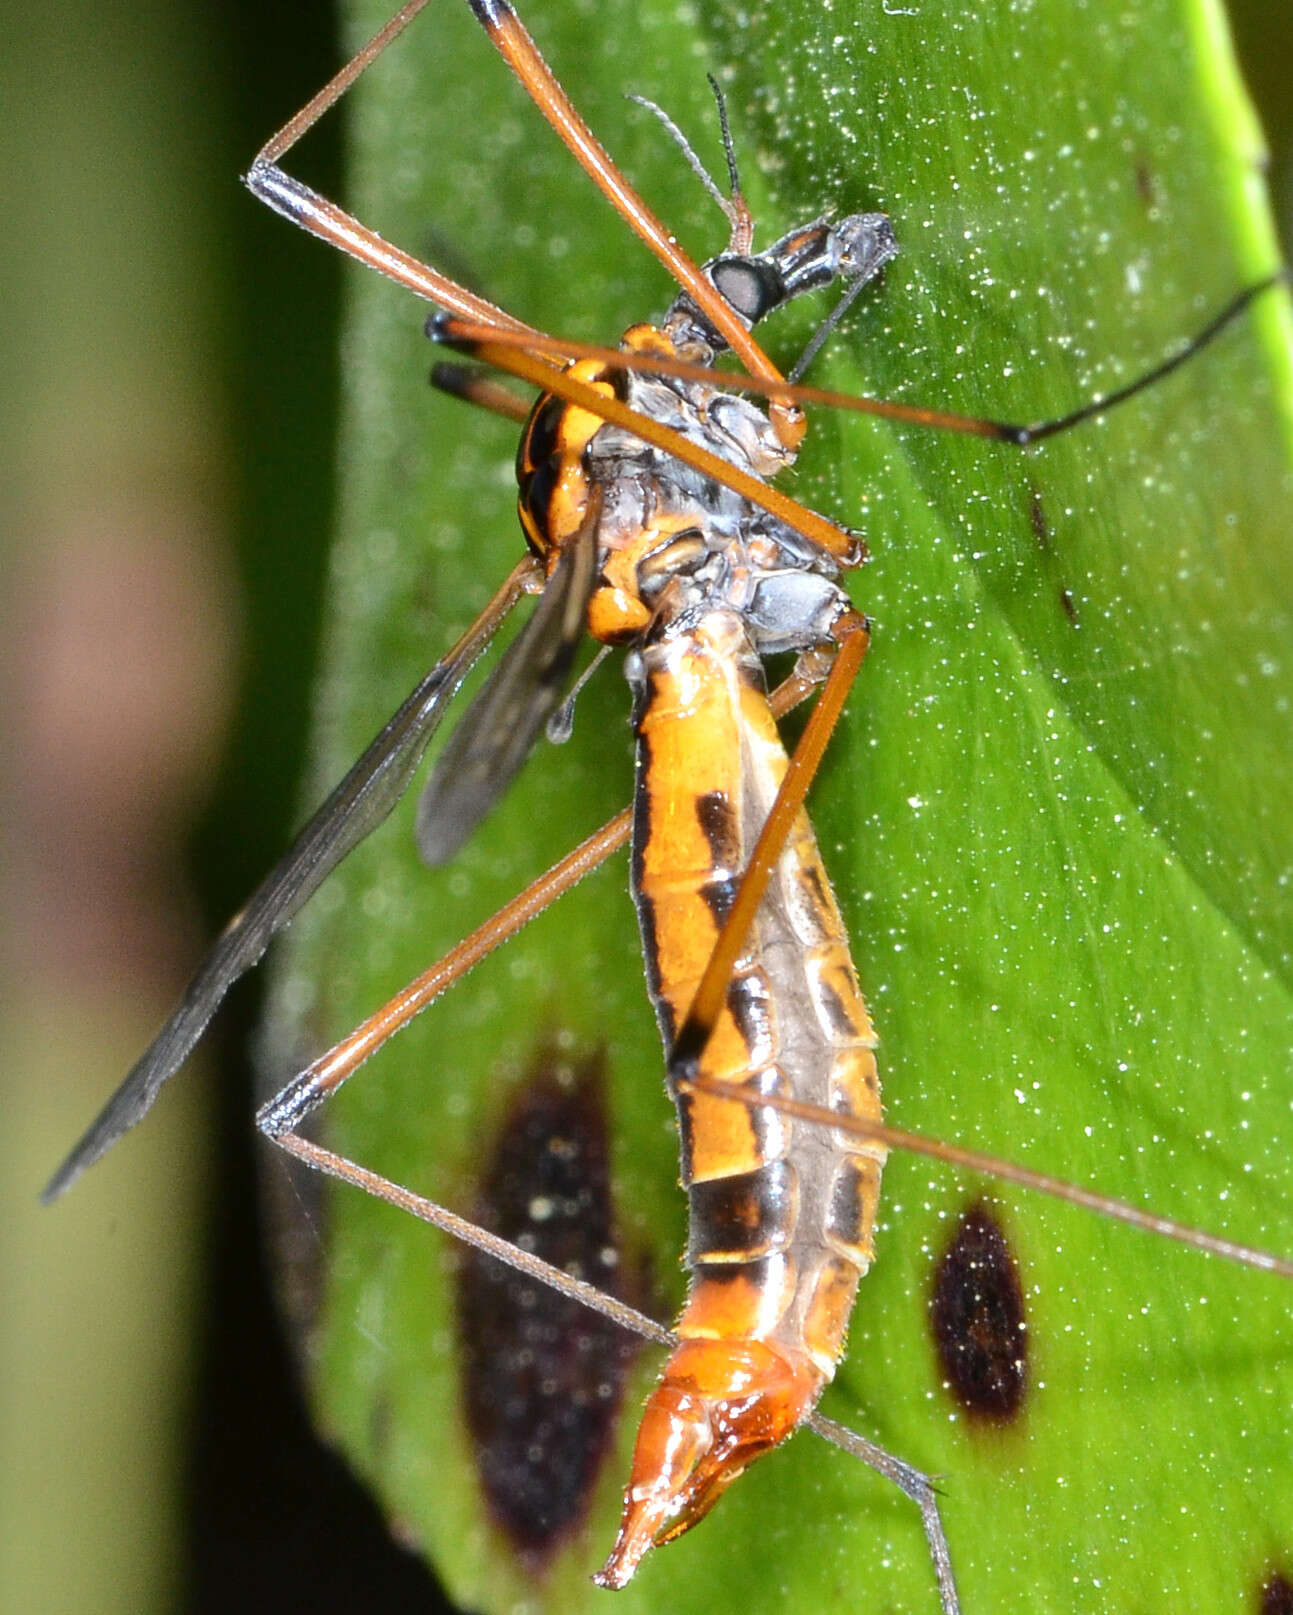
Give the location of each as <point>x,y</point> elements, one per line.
<point>1068,606</point>
<point>977,1317</point>
<point>542,1375</point>
<point>1275,1595</point>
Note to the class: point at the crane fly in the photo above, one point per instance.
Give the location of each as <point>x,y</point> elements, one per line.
<point>525,689</point>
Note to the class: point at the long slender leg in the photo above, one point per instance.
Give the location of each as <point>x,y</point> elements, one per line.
<point>304,206</point>
<point>993,1166</point>
<point>520,52</point>
<point>333,224</point>
<point>913,1482</point>
<point>307,1091</point>
<point>1021,435</point>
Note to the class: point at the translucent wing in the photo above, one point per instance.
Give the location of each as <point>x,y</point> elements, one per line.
<point>494,736</point>
<point>354,808</point>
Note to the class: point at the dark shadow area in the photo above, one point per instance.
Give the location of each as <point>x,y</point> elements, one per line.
<point>277,1521</point>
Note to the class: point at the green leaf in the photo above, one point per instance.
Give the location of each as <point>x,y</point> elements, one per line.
<point>1057,813</point>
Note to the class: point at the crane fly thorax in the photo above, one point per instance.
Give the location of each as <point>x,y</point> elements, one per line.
<point>663,525</point>
<point>667,528</point>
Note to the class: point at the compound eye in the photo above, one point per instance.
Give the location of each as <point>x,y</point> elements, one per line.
<point>751,286</point>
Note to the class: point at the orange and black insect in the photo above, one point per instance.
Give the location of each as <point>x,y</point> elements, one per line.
<point>644,499</point>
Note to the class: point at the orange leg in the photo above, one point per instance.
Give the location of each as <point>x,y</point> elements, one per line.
<point>504,28</point>
<point>282,1117</point>
<point>911,1481</point>
<point>695,1031</point>
<point>1021,435</point>
<point>331,223</point>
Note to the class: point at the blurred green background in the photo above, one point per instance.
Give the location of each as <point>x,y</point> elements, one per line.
<point>168,423</point>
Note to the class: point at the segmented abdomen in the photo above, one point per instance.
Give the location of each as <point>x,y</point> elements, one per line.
<point>782,1211</point>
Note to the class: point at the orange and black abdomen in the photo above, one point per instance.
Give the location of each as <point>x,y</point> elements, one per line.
<point>782,1211</point>
<point>779,1209</point>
